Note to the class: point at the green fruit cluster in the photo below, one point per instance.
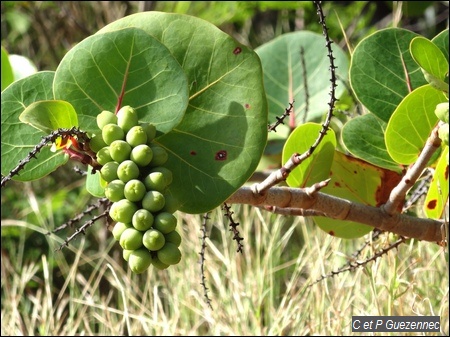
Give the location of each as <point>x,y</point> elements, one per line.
<point>441,112</point>
<point>136,183</point>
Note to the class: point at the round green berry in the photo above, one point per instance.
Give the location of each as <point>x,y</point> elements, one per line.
<point>171,204</point>
<point>153,240</point>
<point>104,156</point>
<point>134,190</point>
<point>114,191</point>
<point>169,254</point>
<point>168,176</point>
<point>112,132</point>
<point>136,136</point>
<point>155,181</point>
<point>106,117</point>
<point>142,155</point>
<point>173,237</point>
<point>118,229</point>
<point>160,155</point>
<point>126,254</point>
<point>127,171</point>
<point>165,222</point>
<point>158,264</point>
<point>122,211</point>
<point>153,201</point>
<point>131,238</point>
<point>127,118</point>
<point>120,150</point>
<point>142,220</point>
<point>150,130</point>
<point>109,171</point>
<point>139,260</point>
<point>96,143</point>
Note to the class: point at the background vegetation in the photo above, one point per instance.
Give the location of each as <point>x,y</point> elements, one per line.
<point>268,290</point>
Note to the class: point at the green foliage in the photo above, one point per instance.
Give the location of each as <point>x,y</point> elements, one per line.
<point>287,79</point>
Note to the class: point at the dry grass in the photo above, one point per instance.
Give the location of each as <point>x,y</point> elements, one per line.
<point>264,291</point>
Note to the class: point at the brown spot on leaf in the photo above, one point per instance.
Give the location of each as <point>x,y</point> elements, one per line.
<point>193,153</point>
<point>247,106</point>
<point>389,179</point>
<point>432,204</point>
<point>446,173</point>
<point>237,50</point>
<point>221,155</point>
<point>331,233</point>
<point>337,184</point>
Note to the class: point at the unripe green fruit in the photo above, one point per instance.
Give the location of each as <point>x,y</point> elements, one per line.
<point>443,133</point>
<point>142,220</point>
<point>114,191</point>
<point>109,171</point>
<point>150,130</point>
<point>127,171</point>
<point>168,175</point>
<point>112,132</point>
<point>441,111</point>
<point>171,204</point>
<point>106,117</point>
<point>131,239</point>
<point>153,201</point>
<point>139,260</point>
<point>173,237</point>
<point>104,156</point>
<point>120,150</point>
<point>127,118</point>
<point>118,229</point>
<point>169,254</point>
<point>136,136</point>
<point>134,190</point>
<point>123,211</point>
<point>165,222</point>
<point>158,264</point>
<point>153,240</point>
<point>142,155</point>
<point>160,155</point>
<point>126,254</point>
<point>155,182</point>
<point>96,143</point>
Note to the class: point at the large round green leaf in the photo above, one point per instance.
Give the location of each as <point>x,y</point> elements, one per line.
<point>441,40</point>
<point>18,138</point>
<point>218,144</point>
<point>363,137</point>
<point>381,68</point>
<point>411,124</point>
<point>124,67</point>
<point>284,78</point>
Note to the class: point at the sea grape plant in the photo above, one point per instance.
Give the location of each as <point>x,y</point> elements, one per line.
<point>211,100</point>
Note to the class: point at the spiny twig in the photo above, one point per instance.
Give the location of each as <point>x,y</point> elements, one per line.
<point>233,227</point>
<point>83,228</point>
<point>51,138</point>
<point>203,259</point>
<point>78,217</point>
<point>281,174</point>
<point>352,265</point>
<point>280,120</point>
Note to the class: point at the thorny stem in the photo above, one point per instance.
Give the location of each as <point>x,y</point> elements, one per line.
<point>282,173</point>
<point>203,259</point>
<point>51,138</point>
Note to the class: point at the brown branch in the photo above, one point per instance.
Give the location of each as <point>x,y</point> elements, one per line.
<point>341,209</point>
